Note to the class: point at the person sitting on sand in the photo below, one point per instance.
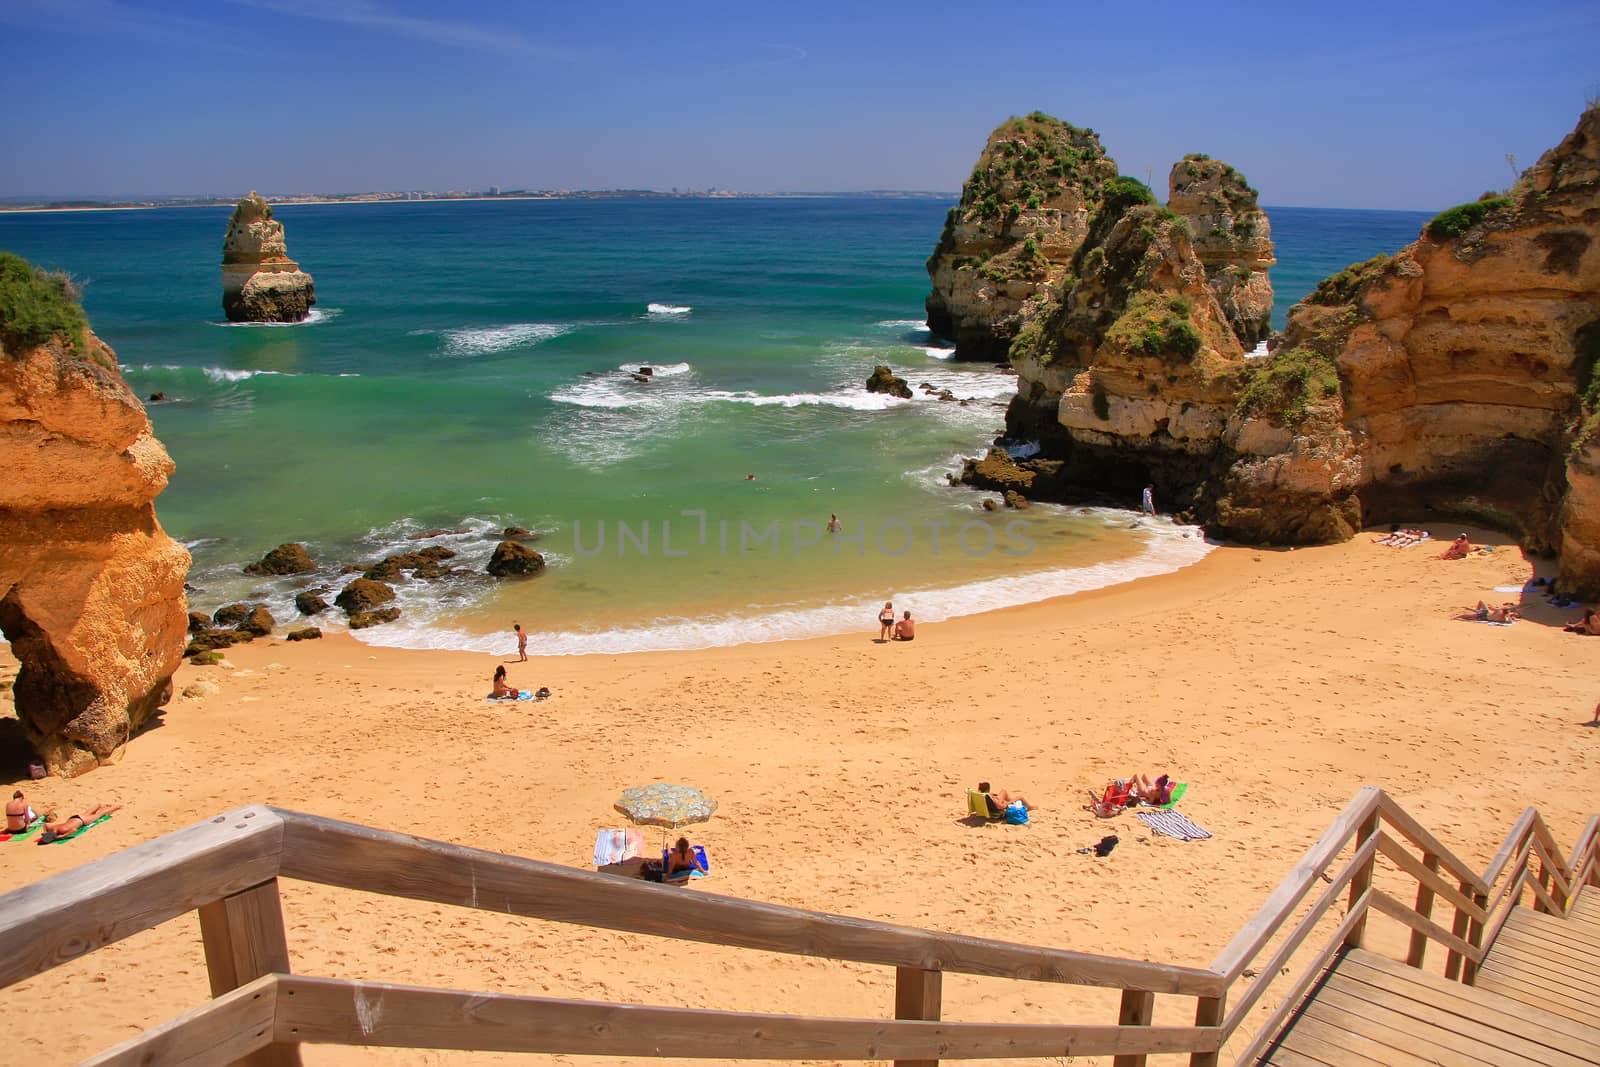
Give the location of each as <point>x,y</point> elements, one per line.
<point>1458,548</point>
<point>905,629</point>
<point>681,860</point>
<point>1589,624</point>
<point>502,691</point>
<point>1156,791</point>
<point>19,813</point>
<point>54,829</point>
<point>1001,799</point>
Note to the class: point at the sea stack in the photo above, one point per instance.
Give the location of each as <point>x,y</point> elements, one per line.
<point>260,283</point>
<point>91,587</point>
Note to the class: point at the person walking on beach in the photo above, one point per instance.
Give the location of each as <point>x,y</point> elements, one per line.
<point>522,641</point>
<point>834,525</point>
<point>1147,501</point>
<point>886,622</point>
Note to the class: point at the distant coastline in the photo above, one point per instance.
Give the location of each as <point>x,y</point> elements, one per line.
<point>111,204</point>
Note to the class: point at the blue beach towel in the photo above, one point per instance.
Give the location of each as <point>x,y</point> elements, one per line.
<point>522,694</point>
<point>702,866</point>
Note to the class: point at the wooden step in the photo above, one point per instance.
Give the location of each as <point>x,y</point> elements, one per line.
<point>1367,1008</point>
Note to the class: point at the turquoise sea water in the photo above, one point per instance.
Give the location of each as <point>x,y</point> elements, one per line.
<point>468,367</point>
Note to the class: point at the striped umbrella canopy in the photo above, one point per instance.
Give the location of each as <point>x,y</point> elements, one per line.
<point>664,804</point>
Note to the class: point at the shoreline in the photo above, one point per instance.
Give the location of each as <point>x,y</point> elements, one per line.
<point>1275,682</point>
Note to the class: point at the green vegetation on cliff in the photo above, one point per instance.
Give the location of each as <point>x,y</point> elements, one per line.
<point>1292,382</point>
<point>1156,325</point>
<point>1455,221</point>
<point>1345,287</point>
<point>36,305</point>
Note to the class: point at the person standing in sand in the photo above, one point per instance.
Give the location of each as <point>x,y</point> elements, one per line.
<point>1147,500</point>
<point>522,641</point>
<point>886,622</point>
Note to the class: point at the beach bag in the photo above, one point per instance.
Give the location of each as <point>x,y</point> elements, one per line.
<point>1016,814</point>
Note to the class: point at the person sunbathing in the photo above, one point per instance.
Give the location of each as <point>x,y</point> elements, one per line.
<point>1458,548</point>
<point>73,823</point>
<point>1506,612</point>
<point>1001,799</point>
<point>681,861</point>
<point>1589,624</point>
<point>1156,791</point>
<point>19,813</point>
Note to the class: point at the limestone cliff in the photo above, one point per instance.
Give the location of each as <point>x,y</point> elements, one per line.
<point>1232,238</point>
<point>1453,379</point>
<point>260,283</point>
<point>1023,216</point>
<point>91,588</point>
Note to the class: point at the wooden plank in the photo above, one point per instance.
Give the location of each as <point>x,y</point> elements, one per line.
<point>917,995</point>
<point>1350,1044</point>
<point>1565,930</point>
<point>1540,994</point>
<point>378,861</point>
<point>1515,843</point>
<point>1386,1028</point>
<point>1428,1027</point>
<point>1427,875</point>
<point>1302,930</point>
<point>1208,1011</point>
<point>1569,978</point>
<point>335,1011</point>
<point>58,919</point>
<point>229,1028</point>
<point>244,939</point>
<point>1545,899</point>
<point>1546,1028</point>
<point>1391,907</point>
<point>1237,954</point>
<point>1136,1009</point>
<point>1558,951</point>
<point>1269,1029</point>
<point>1297,1057</point>
<point>1413,831</point>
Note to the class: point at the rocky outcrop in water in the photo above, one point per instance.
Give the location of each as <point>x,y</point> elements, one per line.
<point>884,380</point>
<point>91,587</point>
<point>1023,215</point>
<point>1453,379</point>
<point>260,283</point>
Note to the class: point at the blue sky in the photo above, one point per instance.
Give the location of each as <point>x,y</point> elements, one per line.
<point>1392,105</point>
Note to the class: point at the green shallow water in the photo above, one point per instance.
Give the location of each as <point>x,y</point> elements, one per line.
<point>467,368</point>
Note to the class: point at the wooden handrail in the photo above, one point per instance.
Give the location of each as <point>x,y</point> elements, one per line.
<point>1513,843</point>
<point>1396,853</point>
<point>60,918</point>
<point>379,861</point>
<point>1397,817</point>
<point>1238,953</point>
<point>1400,912</point>
<point>337,1011</point>
<point>225,1030</point>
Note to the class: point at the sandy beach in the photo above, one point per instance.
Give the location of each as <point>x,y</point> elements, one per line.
<point>1277,683</point>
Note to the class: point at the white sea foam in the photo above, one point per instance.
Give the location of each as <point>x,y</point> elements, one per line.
<point>1259,351</point>
<point>313,317</point>
<point>938,352</point>
<point>1168,549</point>
<point>904,324</point>
<point>657,370</point>
<point>466,342</point>
<point>668,309</point>
<point>228,374</point>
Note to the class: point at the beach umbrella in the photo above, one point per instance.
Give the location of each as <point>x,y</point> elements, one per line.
<point>667,805</point>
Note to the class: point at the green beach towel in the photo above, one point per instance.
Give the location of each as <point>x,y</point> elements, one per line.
<point>1176,795</point>
<point>80,830</point>
<point>20,834</point>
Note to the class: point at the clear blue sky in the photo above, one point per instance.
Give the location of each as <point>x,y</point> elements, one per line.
<point>1396,104</point>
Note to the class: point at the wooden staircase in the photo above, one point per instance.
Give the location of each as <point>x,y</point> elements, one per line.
<point>1536,1000</point>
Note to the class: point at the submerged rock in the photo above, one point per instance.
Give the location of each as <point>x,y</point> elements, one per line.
<point>362,595</point>
<point>260,283</point>
<point>199,622</point>
<point>310,602</point>
<point>311,633</point>
<point>361,620</point>
<point>231,615</point>
<point>258,623</point>
<point>291,558</point>
<point>511,560</point>
<point>884,380</point>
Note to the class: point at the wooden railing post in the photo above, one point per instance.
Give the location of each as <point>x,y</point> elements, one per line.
<point>1544,880</point>
<point>1469,970</point>
<point>917,995</point>
<point>1137,1008</point>
<point>1452,961</point>
<point>1361,882</point>
<point>1209,1011</point>
<point>1419,940</point>
<point>244,939</point>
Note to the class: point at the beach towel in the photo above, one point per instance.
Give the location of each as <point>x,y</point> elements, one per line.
<point>24,832</point>
<point>1175,796</point>
<point>522,694</point>
<point>615,846</point>
<point>1171,824</point>
<point>80,830</point>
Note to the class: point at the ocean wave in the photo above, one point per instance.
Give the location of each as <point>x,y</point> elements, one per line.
<point>314,317</point>
<point>623,392</point>
<point>939,352</point>
<point>657,370</point>
<point>905,324</point>
<point>1169,548</point>
<point>467,342</point>
<point>228,374</point>
<point>667,309</point>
